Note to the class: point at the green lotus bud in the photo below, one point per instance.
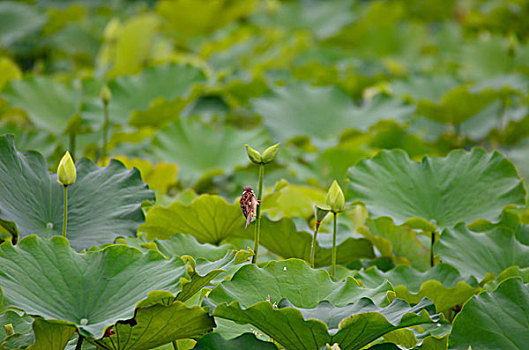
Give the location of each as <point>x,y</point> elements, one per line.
<point>105,94</point>
<point>320,212</point>
<point>335,198</point>
<point>9,329</point>
<point>254,156</point>
<point>66,174</point>
<point>270,153</point>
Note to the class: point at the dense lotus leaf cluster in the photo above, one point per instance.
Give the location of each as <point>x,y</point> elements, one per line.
<point>415,113</point>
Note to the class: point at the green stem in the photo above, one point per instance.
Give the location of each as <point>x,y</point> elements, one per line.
<point>175,345</point>
<point>258,215</point>
<point>333,271</point>
<point>105,132</point>
<point>65,215</point>
<point>432,258</point>
<point>313,246</point>
<point>79,342</point>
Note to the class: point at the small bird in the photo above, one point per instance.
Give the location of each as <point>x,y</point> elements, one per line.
<point>249,204</point>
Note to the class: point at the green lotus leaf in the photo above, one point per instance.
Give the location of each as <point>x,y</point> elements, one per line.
<point>90,290</point>
<point>292,201</point>
<point>442,284</point>
<point>209,218</point>
<point>284,239</point>
<point>199,149</point>
<point>103,204</point>
<point>203,275</point>
<point>135,98</point>
<point>215,341</point>
<point>51,334</point>
<point>420,88</point>
<point>519,154</point>
<point>21,323</point>
<point>351,327</point>
<point>184,244</point>
<point>496,320</point>
<point>181,17</point>
<point>285,279</point>
<point>130,45</point>
<point>286,325</point>
<point>302,110</point>
<point>480,253</point>
<point>50,104</point>
<point>399,241</point>
<point>457,105</point>
<point>18,20</point>
<point>324,19</point>
<point>462,187</point>
<point>157,325</point>
<point>8,71</point>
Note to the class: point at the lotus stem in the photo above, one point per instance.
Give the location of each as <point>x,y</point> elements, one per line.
<point>313,246</point>
<point>79,342</point>
<point>65,215</point>
<point>175,345</point>
<point>333,271</point>
<point>432,258</point>
<point>258,215</point>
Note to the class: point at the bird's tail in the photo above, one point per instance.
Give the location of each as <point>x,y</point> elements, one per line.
<point>248,219</point>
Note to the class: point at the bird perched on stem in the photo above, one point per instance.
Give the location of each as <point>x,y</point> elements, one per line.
<point>249,204</point>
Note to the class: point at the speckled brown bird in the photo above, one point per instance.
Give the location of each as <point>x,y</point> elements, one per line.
<point>249,204</point>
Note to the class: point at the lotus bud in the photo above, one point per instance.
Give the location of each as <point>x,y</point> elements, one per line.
<point>254,156</point>
<point>335,198</point>
<point>66,173</point>
<point>270,153</point>
<point>320,212</point>
<point>105,95</point>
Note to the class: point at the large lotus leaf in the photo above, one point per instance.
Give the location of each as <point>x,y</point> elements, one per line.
<point>184,244</point>
<point>360,329</point>
<point>292,201</point>
<point>462,187</point>
<point>197,148</point>
<point>457,105</point>
<point>295,280</point>
<point>352,326</point>
<point>199,17</point>
<point>442,284</point>
<point>324,19</point>
<point>321,112</point>
<point>157,325</point>
<point>103,203</point>
<point>401,241</point>
<point>215,341</point>
<point>21,324</point>
<point>158,176</point>
<point>132,45</point>
<point>50,104</point>
<point>209,218</point>
<point>134,94</point>
<point>90,290</point>
<point>8,71</point>
<point>420,88</point>
<point>51,334</point>
<point>480,253</point>
<point>282,238</point>
<point>286,325</point>
<point>494,321</point>
<point>17,20</point>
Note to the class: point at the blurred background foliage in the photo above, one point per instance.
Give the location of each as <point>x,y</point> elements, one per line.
<point>334,81</point>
